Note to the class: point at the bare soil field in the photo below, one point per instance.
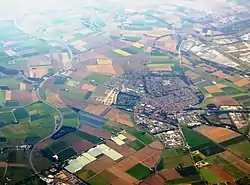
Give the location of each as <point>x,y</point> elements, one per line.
<point>101,164</point>
<point>87,87</point>
<point>212,89</point>
<point>186,61</point>
<point>224,100</point>
<point>152,160</point>
<point>119,173</point>
<point>95,108</point>
<point>120,182</point>
<point>243,82</point>
<point>119,116</point>
<point>54,99</point>
<point>78,143</point>
<point>127,163</point>
<point>161,68</point>
<point>217,134</point>
<point>154,179</point>
<point>223,174</point>
<point>192,74</point>
<point>145,153</point>
<point>170,174</point>
<point>24,97</point>
<point>95,131</point>
<point>130,137</point>
<point>157,145</point>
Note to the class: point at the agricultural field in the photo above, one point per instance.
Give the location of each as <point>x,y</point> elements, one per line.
<point>139,171</point>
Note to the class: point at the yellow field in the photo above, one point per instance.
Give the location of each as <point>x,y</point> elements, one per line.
<point>121,52</point>
<point>137,45</point>
<point>22,86</point>
<point>103,61</point>
<point>73,83</point>
<point>8,95</point>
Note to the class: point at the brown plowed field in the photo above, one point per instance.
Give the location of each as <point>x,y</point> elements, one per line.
<point>96,109</point>
<point>23,97</point>
<point>129,137</point>
<point>95,131</point>
<point>223,174</point>
<point>217,134</point>
<point>78,143</point>
<point>87,87</point>
<point>125,150</point>
<point>127,163</point>
<point>157,145</point>
<point>54,99</point>
<point>152,160</point>
<point>119,173</point>
<point>154,179</point>
<point>224,100</point>
<point>120,182</point>
<point>171,174</point>
<point>145,153</point>
<point>101,164</point>
<point>212,89</point>
<point>243,82</point>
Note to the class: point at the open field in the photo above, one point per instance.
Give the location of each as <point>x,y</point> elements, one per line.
<point>139,171</point>
<point>217,134</point>
<point>97,78</point>
<point>91,119</point>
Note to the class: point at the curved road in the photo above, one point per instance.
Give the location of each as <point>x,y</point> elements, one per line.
<point>57,126</point>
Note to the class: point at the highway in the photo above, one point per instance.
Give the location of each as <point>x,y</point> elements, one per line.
<point>57,125</point>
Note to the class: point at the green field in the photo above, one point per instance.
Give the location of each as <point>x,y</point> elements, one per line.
<point>88,137</point>
<point>58,146</point>
<point>187,180</point>
<point>6,117</point>
<point>232,90</point>
<point>17,174</point>
<point>66,154</point>
<point>171,158</point>
<point>10,103</point>
<point>139,171</point>
<point>141,136</point>
<point>2,97</point>
<point>21,114</point>
<point>210,176</point>
<point>196,140</point>
<point>137,145</point>
<point>242,149</point>
<point>97,181</point>
<point>71,122</point>
<point>97,78</point>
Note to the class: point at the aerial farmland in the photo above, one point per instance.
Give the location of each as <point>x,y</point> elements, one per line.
<point>120,93</point>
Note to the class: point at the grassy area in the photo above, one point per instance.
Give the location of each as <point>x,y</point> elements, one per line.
<point>7,117</point>
<point>195,140</point>
<point>232,90</point>
<point>71,122</point>
<point>58,146</point>
<point>88,137</point>
<point>141,136</point>
<point>21,114</point>
<point>97,78</point>
<point>189,179</point>
<point>210,176</point>
<point>17,174</point>
<point>242,149</point>
<point>66,154</point>
<point>2,96</point>
<point>171,158</point>
<point>84,174</point>
<point>139,171</point>
<point>137,145</point>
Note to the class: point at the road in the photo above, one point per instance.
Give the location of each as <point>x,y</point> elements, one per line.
<point>59,125</point>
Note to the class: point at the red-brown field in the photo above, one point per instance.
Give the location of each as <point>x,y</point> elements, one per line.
<point>87,87</point>
<point>243,82</point>
<point>127,163</point>
<point>224,100</point>
<point>95,131</point>
<point>54,99</point>
<point>212,89</point>
<point>217,134</point>
<point>153,179</point>
<point>96,109</point>
<point>157,145</point>
<point>79,144</point>
<point>171,174</point>
<point>119,116</point>
<point>101,164</point>
<point>125,150</point>
<point>120,181</point>
<point>129,137</point>
<point>119,173</point>
<point>23,97</point>
<point>145,153</point>
<point>223,174</point>
<point>152,160</point>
